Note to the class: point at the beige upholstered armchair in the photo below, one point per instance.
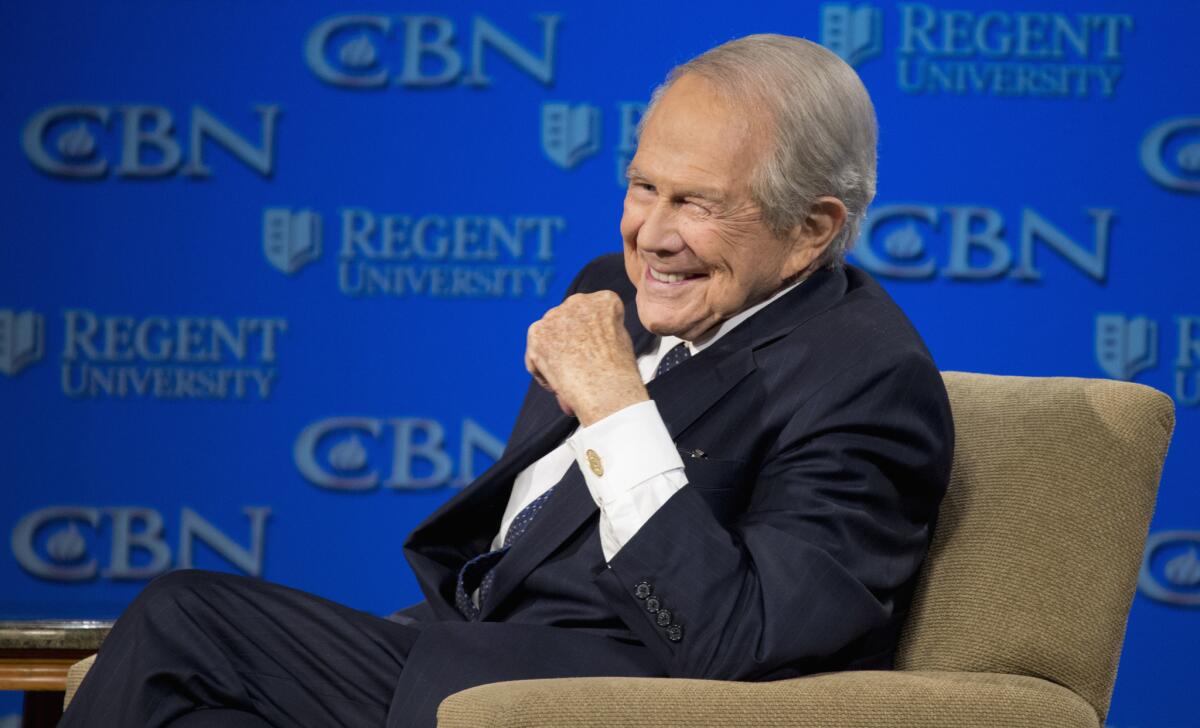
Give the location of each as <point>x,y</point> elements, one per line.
<point>1022,603</point>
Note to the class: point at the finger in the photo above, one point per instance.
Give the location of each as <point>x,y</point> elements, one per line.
<point>531,362</point>
<point>534,372</point>
<point>530,365</point>
<point>618,310</point>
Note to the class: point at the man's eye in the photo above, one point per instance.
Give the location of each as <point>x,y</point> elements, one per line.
<point>644,186</point>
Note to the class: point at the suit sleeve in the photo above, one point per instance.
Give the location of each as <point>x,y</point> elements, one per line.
<point>839,516</point>
<point>637,470</point>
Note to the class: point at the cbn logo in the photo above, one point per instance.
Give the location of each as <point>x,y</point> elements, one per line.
<point>853,32</point>
<point>67,141</point>
<point>894,243</point>
<point>570,134</point>
<point>352,453</point>
<point>354,51</point>
<point>290,240</point>
<point>1170,153</point>
<point>1170,570</point>
<point>49,543</point>
<point>1125,346</point>
<point>22,340</point>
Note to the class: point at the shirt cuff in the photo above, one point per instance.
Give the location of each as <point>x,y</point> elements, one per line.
<point>623,450</point>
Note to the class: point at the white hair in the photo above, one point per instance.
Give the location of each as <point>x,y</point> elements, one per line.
<point>820,117</point>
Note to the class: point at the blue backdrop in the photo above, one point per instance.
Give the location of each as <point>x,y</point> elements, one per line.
<point>267,266</point>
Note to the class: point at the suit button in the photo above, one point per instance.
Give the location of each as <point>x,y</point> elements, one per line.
<point>675,632</point>
<point>664,617</point>
<point>643,589</point>
<point>653,605</point>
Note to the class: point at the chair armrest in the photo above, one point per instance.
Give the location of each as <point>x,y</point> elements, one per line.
<point>75,676</point>
<point>864,699</point>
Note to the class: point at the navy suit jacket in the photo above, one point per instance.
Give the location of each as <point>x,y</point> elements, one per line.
<point>817,442</point>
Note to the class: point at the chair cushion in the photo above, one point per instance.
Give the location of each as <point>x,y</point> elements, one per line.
<point>846,700</point>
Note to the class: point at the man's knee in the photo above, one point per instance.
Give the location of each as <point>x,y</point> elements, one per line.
<point>184,588</point>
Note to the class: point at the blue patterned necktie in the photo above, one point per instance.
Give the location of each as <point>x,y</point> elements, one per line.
<point>479,571</point>
<point>676,356</point>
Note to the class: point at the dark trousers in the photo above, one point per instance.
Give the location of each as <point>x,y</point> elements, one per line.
<point>206,649</point>
<point>199,649</point>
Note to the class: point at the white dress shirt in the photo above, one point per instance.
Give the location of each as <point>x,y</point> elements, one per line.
<point>641,465</point>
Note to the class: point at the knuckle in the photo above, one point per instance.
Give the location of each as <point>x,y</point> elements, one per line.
<point>611,300</point>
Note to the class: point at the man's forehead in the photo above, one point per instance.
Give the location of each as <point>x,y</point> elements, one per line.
<point>696,146</point>
<point>692,99</point>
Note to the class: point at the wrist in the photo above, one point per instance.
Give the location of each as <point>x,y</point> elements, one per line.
<point>611,402</point>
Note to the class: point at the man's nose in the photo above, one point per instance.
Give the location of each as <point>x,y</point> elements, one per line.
<point>659,232</point>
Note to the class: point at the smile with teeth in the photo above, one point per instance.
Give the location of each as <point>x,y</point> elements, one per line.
<point>670,277</point>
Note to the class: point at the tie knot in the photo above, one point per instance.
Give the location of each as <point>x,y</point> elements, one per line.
<point>676,356</point>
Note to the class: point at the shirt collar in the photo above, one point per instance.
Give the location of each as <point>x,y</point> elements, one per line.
<point>666,343</point>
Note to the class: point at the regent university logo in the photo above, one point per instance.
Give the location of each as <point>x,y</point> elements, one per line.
<point>853,32</point>
<point>573,132</point>
<point>1028,53</point>
<point>290,239</point>
<point>570,134</point>
<point>159,357</point>
<point>1126,346</point>
<point>22,340</point>
<point>435,255</point>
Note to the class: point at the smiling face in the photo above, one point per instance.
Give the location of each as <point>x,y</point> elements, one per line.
<point>696,246</point>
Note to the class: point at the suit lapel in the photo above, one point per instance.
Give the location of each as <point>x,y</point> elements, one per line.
<point>569,507</point>
<point>643,340</point>
<point>485,498</point>
<point>571,504</point>
<point>693,387</point>
<point>465,525</point>
<point>680,399</point>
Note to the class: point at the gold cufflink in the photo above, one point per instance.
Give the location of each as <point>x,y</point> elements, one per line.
<point>595,463</point>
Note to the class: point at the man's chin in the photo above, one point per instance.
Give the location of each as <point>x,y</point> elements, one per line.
<point>674,317</point>
<point>657,325</point>
<point>686,329</point>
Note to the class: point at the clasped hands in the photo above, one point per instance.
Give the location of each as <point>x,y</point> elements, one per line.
<point>581,353</point>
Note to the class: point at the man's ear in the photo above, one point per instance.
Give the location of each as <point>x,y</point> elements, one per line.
<point>813,235</point>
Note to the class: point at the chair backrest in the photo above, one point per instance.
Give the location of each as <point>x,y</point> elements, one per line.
<point>1035,558</point>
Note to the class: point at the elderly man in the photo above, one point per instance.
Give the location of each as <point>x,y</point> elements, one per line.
<point>728,466</point>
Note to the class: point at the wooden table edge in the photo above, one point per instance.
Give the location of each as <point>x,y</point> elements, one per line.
<point>38,670</point>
